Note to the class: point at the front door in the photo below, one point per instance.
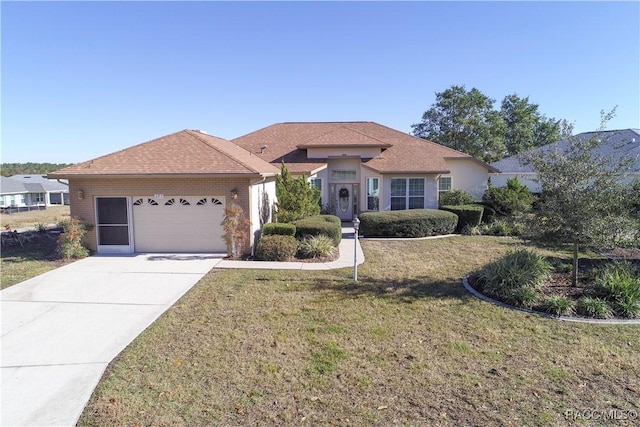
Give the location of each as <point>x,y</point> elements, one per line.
<point>346,201</point>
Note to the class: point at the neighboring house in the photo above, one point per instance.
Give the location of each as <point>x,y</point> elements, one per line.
<point>16,196</point>
<point>168,194</point>
<point>616,143</point>
<point>365,166</point>
<point>56,192</point>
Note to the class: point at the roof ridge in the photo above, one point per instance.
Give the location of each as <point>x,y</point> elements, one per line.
<point>198,137</point>
<point>334,122</point>
<point>118,151</point>
<point>367,135</point>
<point>425,140</point>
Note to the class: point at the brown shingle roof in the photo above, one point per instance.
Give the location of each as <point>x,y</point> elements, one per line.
<point>184,152</point>
<point>405,153</point>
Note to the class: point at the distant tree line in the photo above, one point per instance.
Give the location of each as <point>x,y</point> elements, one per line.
<point>467,121</point>
<point>10,169</point>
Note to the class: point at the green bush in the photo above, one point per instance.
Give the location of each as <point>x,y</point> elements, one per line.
<point>279,229</point>
<point>488,213</point>
<point>593,307</point>
<point>503,227</point>
<point>411,223</point>
<point>520,268</point>
<point>316,247</point>
<point>558,305</point>
<point>619,284</point>
<point>70,244</point>
<point>455,198</point>
<point>320,225</point>
<point>513,199</point>
<point>276,248</point>
<point>468,215</point>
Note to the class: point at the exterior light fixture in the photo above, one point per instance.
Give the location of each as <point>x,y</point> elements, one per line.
<point>80,195</point>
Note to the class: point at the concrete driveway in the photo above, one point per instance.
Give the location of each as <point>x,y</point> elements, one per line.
<point>61,329</point>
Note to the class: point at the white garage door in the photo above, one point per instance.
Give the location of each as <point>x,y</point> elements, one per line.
<point>178,224</point>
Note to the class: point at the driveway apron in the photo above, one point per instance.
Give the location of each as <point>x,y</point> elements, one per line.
<point>61,329</point>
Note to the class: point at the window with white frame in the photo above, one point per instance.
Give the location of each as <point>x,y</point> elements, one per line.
<point>317,183</point>
<point>343,175</point>
<point>39,198</point>
<point>407,193</point>
<point>444,184</point>
<point>373,194</point>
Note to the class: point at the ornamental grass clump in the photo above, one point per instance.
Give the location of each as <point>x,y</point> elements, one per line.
<point>558,305</point>
<point>593,307</point>
<point>518,269</point>
<point>316,247</point>
<point>619,285</point>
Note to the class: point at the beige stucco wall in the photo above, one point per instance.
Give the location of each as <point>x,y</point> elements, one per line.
<point>469,176</point>
<point>94,187</point>
<point>258,189</point>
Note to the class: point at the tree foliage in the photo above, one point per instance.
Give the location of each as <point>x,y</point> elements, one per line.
<point>297,199</point>
<point>582,193</point>
<point>10,169</point>
<point>466,120</point>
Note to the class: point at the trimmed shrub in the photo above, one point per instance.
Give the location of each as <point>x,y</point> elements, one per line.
<point>513,199</point>
<point>557,305</point>
<point>468,215</point>
<point>411,223</point>
<point>455,198</point>
<point>320,225</point>
<point>316,247</point>
<point>276,248</point>
<point>517,269</point>
<point>278,229</point>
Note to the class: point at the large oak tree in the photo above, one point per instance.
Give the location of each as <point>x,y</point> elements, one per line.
<point>466,120</point>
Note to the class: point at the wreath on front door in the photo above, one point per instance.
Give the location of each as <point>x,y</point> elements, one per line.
<point>344,193</point>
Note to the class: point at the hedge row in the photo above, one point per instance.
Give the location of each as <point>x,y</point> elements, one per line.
<point>329,225</point>
<point>411,223</point>
<point>468,215</point>
<point>279,229</point>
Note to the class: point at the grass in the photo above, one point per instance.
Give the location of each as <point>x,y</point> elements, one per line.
<point>51,215</point>
<point>21,263</point>
<point>405,345</point>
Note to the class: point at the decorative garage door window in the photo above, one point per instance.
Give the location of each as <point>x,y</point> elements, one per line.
<point>214,201</point>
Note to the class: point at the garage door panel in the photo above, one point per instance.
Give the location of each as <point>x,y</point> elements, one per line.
<point>179,224</point>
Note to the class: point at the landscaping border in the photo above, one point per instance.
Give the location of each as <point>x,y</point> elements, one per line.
<point>485,298</point>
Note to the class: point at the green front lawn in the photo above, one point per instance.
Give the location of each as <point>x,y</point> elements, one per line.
<point>405,345</point>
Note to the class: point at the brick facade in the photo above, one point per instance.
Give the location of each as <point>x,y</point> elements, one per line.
<point>100,187</point>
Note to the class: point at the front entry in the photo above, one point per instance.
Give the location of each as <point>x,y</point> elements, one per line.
<point>346,201</point>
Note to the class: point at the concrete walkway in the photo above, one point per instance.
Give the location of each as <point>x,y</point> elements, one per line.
<point>61,329</point>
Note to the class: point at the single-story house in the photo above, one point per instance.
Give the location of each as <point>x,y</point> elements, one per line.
<point>56,191</point>
<point>615,143</point>
<point>365,166</point>
<point>16,196</point>
<point>168,194</point>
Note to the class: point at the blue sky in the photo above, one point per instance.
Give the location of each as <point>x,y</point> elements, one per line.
<point>83,79</point>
